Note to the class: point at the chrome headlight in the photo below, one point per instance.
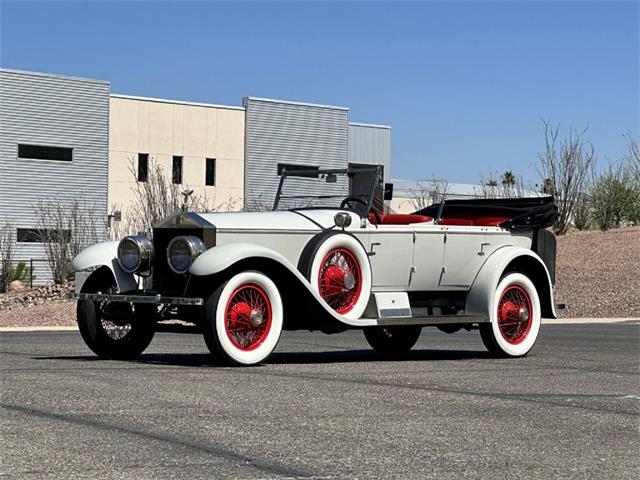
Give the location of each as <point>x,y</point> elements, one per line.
<point>182,251</point>
<point>135,254</point>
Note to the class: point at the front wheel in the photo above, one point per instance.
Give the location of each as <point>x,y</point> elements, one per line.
<point>395,340</point>
<point>114,330</point>
<point>515,317</point>
<point>243,319</point>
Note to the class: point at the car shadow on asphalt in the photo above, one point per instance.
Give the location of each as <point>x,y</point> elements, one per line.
<point>289,358</point>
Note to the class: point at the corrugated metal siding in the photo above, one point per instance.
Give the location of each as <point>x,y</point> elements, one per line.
<point>370,144</point>
<point>42,109</point>
<point>292,133</point>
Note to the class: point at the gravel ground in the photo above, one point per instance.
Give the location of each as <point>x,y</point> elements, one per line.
<point>597,273</point>
<point>597,276</point>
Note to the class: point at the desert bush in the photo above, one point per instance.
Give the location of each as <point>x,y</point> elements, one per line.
<point>65,228</point>
<point>564,168</point>
<point>614,197</point>
<point>6,254</point>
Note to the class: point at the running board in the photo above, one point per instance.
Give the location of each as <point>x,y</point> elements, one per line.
<point>433,320</point>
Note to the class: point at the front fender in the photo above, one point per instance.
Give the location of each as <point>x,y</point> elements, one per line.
<point>220,258</point>
<point>105,254</point>
<point>480,297</point>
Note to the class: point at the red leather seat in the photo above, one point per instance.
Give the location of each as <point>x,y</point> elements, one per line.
<point>398,218</point>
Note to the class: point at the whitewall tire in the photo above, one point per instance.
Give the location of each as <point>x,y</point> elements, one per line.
<point>341,274</point>
<point>515,317</point>
<point>243,319</point>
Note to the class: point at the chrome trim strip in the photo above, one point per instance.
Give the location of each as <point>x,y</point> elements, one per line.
<point>156,299</point>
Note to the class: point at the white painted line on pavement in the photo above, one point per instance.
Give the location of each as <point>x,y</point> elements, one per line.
<point>572,321</point>
<point>39,329</point>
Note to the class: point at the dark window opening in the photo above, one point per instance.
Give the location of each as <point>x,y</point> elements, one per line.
<point>35,235</point>
<point>143,167</point>
<point>210,172</point>
<point>290,167</point>
<point>41,152</point>
<point>177,169</point>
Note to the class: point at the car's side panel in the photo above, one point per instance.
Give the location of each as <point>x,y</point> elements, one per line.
<point>480,296</point>
<point>104,254</point>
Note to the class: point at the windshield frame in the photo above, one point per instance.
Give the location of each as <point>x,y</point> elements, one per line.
<point>321,175</point>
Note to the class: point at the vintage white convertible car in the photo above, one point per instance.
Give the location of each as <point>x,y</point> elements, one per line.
<point>241,278</point>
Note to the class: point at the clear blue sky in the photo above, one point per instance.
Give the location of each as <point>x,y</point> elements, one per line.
<point>463,84</point>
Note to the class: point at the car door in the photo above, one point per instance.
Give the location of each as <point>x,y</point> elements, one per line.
<point>464,254</point>
<point>390,249</point>
<point>428,257</point>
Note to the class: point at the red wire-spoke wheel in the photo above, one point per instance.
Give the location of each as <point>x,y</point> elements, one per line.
<point>248,317</point>
<point>243,319</point>
<point>514,314</point>
<point>340,280</point>
<point>514,317</point>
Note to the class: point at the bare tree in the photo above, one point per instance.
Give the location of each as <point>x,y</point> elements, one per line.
<point>6,255</point>
<point>488,187</point>
<point>428,192</point>
<point>65,228</point>
<point>156,198</point>
<point>566,165</point>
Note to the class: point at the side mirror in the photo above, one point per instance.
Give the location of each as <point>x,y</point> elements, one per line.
<point>388,191</point>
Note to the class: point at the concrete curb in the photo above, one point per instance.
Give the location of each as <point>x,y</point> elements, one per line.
<point>574,321</point>
<point>545,321</point>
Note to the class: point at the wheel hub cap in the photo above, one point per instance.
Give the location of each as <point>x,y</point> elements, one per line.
<point>349,281</point>
<point>256,318</point>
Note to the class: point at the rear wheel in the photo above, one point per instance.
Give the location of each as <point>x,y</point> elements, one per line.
<point>394,340</point>
<point>515,317</point>
<point>243,319</point>
<point>114,330</point>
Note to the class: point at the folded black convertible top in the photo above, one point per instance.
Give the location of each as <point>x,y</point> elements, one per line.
<point>532,212</point>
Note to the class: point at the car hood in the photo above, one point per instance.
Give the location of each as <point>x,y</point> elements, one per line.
<point>298,220</point>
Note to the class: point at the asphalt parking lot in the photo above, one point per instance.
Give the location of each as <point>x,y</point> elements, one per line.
<point>324,407</point>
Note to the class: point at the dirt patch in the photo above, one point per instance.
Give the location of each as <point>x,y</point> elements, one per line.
<point>597,276</point>
<point>598,273</point>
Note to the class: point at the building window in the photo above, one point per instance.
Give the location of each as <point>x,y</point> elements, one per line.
<point>41,152</point>
<point>177,169</point>
<point>34,235</point>
<point>210,172</point>
<point>143,167</point>
<point>290,167</point>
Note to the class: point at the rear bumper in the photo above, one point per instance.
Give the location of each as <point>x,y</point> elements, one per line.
<point>156,299</point>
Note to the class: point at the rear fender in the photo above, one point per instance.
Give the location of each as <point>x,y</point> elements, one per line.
<point>99,255</point>
<point>503,260</point>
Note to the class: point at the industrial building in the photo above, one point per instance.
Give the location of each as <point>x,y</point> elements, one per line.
<point>64,137</point>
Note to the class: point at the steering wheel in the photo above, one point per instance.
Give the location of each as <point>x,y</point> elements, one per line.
<point>347,202</point>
